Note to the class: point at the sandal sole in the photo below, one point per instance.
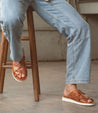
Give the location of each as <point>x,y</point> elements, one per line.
<point>16,79</point>
<point>75,102</point>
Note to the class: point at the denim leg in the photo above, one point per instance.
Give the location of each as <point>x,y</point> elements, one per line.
<point>63,17</point>
<point>13,15</point>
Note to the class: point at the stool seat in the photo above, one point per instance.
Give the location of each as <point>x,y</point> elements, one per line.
<point>33,64</point>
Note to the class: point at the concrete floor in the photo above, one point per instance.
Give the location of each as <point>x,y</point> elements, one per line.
<point>18,97</point>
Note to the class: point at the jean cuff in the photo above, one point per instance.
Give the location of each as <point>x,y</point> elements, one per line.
<point>78,82</point>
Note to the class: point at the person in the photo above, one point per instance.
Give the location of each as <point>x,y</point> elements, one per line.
<point>63,17</point>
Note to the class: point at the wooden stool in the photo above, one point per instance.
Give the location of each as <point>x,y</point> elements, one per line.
<point>31,65</point>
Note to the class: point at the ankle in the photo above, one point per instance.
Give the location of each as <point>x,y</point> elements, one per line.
<point>69,88</point>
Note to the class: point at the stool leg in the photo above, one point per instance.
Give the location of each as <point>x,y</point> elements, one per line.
<point>35,73</point>
<point>3,57</point>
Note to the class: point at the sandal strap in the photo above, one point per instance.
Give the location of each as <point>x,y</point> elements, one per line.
<point>79,96</point>
<point>19,68</point>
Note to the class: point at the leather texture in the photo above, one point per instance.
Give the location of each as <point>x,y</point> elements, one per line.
<point>19,70</point>
<point>79,96</point>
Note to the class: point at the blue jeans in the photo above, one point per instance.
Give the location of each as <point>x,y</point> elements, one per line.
<point>61,16</point>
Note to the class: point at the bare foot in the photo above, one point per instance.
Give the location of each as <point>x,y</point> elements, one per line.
<point>19,70</point>
<point>69,88</point>
<point>72,87</point>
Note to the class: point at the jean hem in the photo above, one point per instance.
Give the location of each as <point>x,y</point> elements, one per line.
<point>78,82</point>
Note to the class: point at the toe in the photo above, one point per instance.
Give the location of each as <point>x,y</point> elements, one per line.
<point>90,100</point>
<point>19,76</point>
<point>23,75</point>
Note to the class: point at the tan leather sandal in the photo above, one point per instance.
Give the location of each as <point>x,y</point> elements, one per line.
<point>78,97</point>
<point>19,70</point>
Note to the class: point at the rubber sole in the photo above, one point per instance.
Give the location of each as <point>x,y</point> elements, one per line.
<point>75,102</point>
<point>16,79</point>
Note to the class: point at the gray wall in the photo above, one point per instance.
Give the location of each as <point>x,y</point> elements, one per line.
<point>93,21</point>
